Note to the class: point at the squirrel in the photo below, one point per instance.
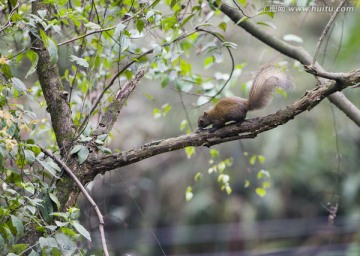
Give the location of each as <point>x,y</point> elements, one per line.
<point>235,108</point>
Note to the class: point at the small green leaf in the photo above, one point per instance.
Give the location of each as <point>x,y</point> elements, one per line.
<point>166,108</point>
<point>261,159</point>
<point>262,174</point>
<point>223,26</point>
<point>268,13</point>
<point>157,113</point>
<point>266,184</point>
<point>183,125</point>
<point>34,58</point>
<point>242,20</point>
<point>75,149</point>
<point>189,151</point>
<point>198,176</point>
<point>247,183</point>
<point>16,226</point>
<point>209,61</point>
<point>104,149</point>
<point>92,25</point>
<point>102,137</point>
<point>214,153</point>
<point>29,156</point>
<point>83,154</point>
<point>186,20</point>
<point>267,23</point>
<point>48,167</point>
<point>18,84</point>
<point>252,159</point>
<point>260,192</point>
<point>188,194</point>
<point>293,38</point>
<point>53,51</point>
<point>82,231</point>
<point>54,198</point>
<point>80,61</point>
<point>140,24</point>
<point>18,249</point>
<point>119,28</point>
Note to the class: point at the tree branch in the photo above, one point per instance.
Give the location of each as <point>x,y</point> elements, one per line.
<point>113,110</point>
<point>248,129</point>
<point>86,194</point>
<point>297,53</point>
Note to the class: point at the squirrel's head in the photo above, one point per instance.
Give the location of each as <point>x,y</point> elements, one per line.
<point>204,120</point>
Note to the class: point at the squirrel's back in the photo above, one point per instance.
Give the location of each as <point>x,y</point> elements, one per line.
<point>267,78</point>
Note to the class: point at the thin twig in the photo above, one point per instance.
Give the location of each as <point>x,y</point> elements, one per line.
<point>232,63</point>
<point>8,22</point>
<point>86,194</point>
<point>326,30</point>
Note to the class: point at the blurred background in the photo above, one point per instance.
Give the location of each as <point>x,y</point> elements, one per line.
<point>312,204</point>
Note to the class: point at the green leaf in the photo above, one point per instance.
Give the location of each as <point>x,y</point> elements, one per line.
<point>198,176</point>
<point>266,23</point>
<point>48,167</point>
<point>18,84</point>
<point>80,61</point>
<point>223,26</point>
<point>66,245</point>
<point>54,198</point>
<point>82,231</point>
<point>209,61</point>
<point>260,192</point>
<point>186,20</point>
<point>189,151</point>
<point>104,149</point>
<point>75,149</point>
<point>247,183</point>
<point>214,153</point>
<point>18,249</point>
<point>53,51</point>
<point>29,156</point>
<point>263,174</point>
<point>261,159</point>
<point>140,24</point>
<point>293,38</point>
<point>252,160</point>
<point>13,2</point>
<point>242,20</point>
<point>6,234</point>
<point>102,137</point>
<point>183,125</point>
<point>188,194</point>
<point>92,25</point>
<point>268,13</point>
<point>119,28</point>
<point>83,154</point>
<point>47,242</point>
<point>34,58</point>
<point>46,208</point>
<point>16,226</point>
<point>166,108</point>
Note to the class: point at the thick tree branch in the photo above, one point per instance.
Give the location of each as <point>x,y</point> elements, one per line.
<point>297,53</point>
<point>53,89</point>
<point>248,129</point>
<point>113,110</point>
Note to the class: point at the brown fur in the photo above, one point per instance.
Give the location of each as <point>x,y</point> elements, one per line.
<point>235,108</point>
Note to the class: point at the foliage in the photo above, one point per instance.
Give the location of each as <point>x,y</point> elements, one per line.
<point>92,43</point>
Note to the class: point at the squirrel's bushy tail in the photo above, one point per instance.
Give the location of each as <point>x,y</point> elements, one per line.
<point>267,78</point>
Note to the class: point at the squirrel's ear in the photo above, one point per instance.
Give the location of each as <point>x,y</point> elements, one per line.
<point>206,113</point>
